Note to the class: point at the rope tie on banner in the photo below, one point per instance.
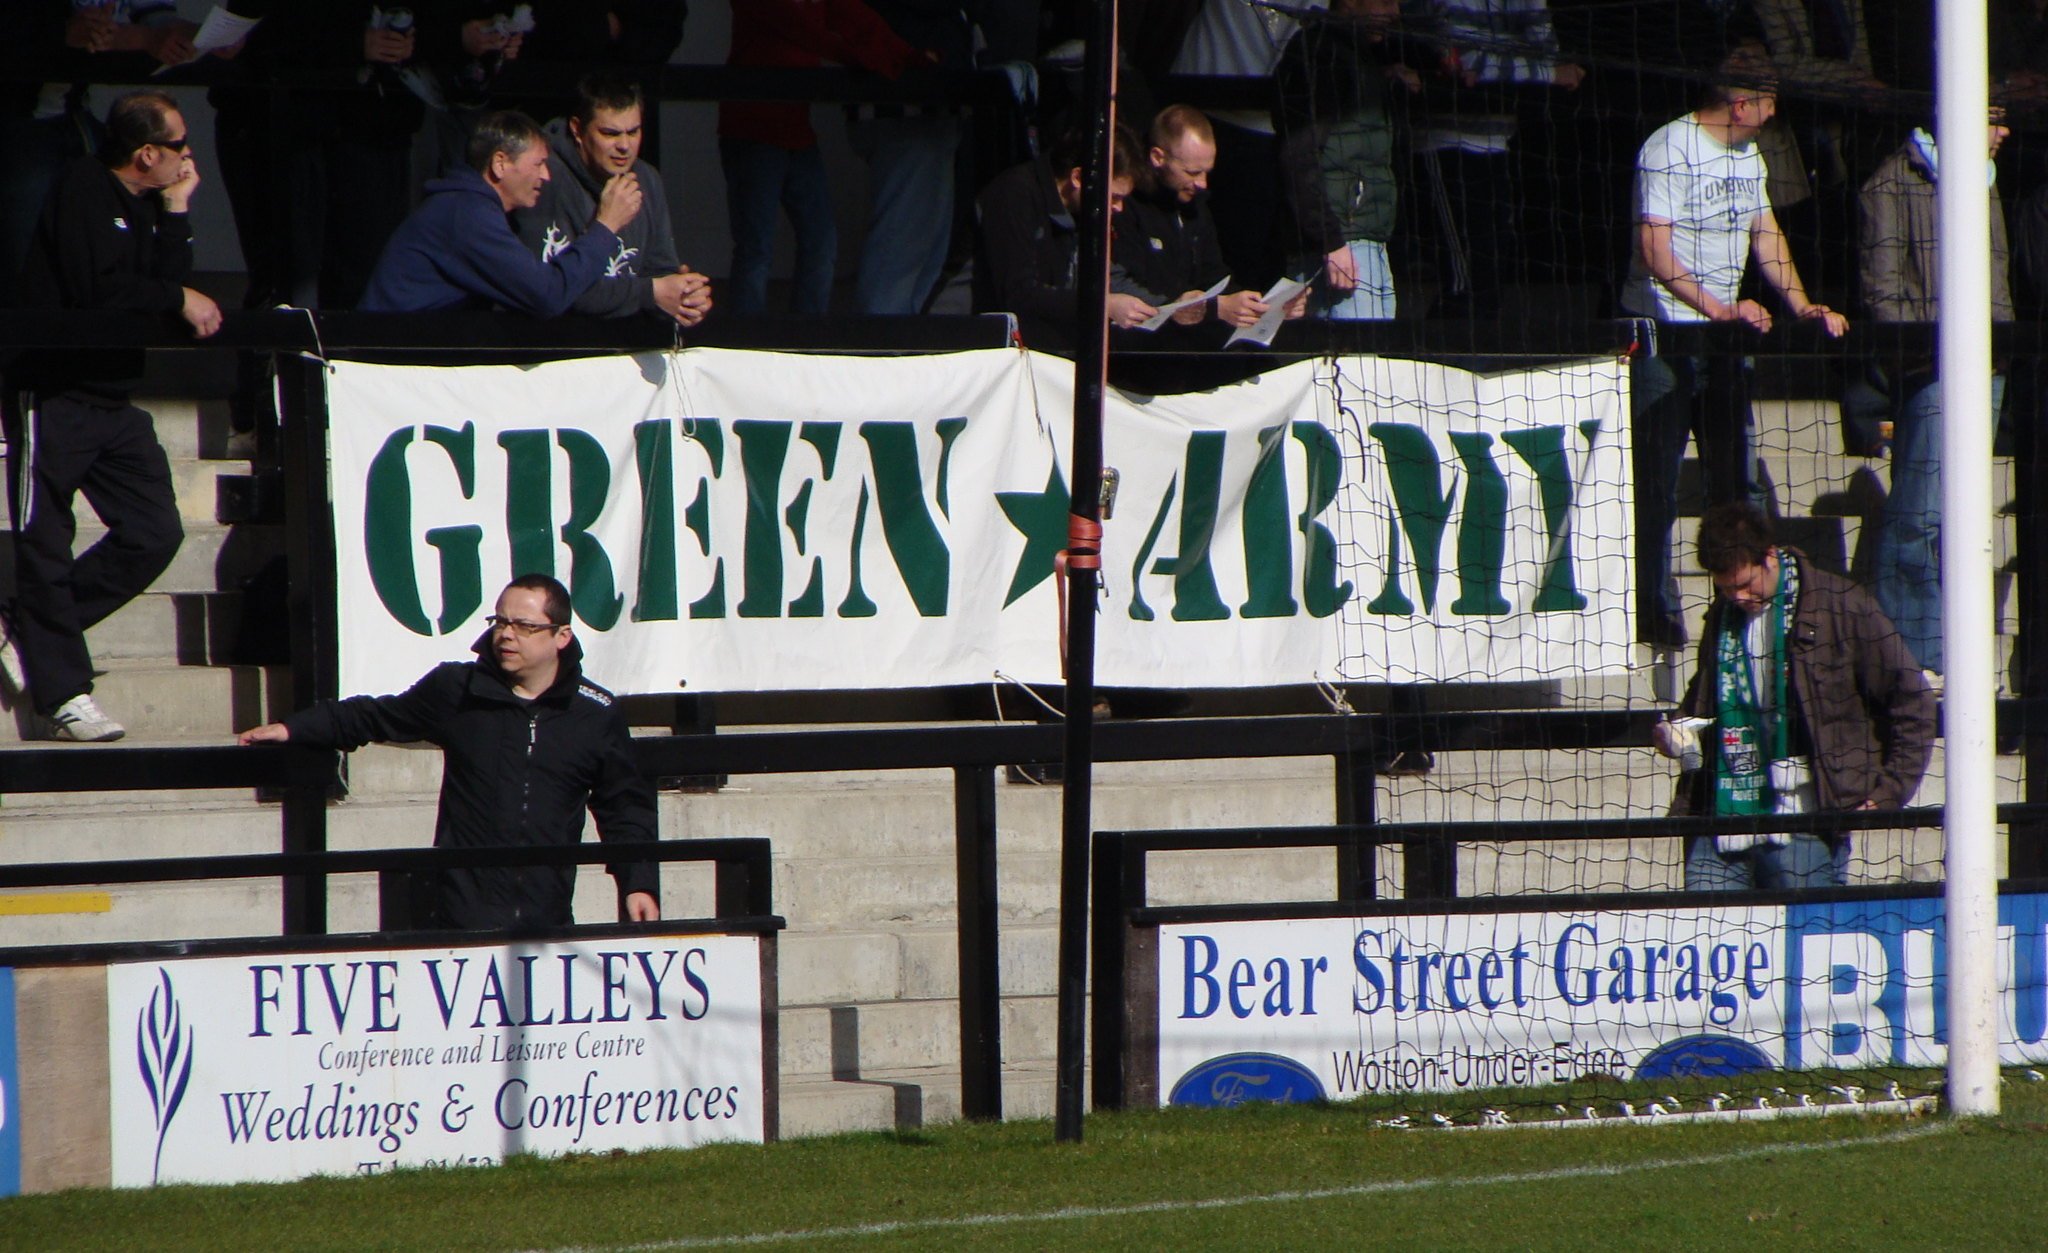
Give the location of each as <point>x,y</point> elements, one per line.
<point>1083,552</point>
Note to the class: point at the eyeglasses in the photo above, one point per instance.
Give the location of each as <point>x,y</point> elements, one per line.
<point>181,144</point>
<point>521,626</point>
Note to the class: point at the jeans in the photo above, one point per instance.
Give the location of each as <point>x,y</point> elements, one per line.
<point>762,181</point>
<point>1806,862</point>
<point>1907,563</point>
<point>910,209</point>
<point>1707,397</point>
<point>1373,298</point>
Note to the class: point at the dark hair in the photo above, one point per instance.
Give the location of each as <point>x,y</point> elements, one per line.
<point>1745,72</point>
<point>1734,534</point>
<point>606,91</point>
<point>510,132</point>
<point>135,120</point>
<point>1070,152</point>
<point>554,597</point>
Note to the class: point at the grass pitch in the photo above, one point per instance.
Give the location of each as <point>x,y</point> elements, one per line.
<point>1259,1177</point>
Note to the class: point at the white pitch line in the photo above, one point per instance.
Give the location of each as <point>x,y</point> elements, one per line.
<point>1378,1188</point>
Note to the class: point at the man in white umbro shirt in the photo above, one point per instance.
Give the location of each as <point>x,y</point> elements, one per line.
<point>1700,214</point>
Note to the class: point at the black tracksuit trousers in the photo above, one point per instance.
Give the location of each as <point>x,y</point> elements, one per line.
<point>107,449</point>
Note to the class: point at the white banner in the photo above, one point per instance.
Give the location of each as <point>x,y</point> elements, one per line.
<point>1335,1007</point>
<point>761,521</point>
<point>285,1065</point>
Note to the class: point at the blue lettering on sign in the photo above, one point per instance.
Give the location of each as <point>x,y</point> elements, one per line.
<point>1267,986</point>
<point>10,1092</point>
<point>1408,976</point>
<point>1866,981</point>
<point>1236,1078</point>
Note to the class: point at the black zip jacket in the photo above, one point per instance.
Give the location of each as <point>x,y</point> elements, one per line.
<point>515,773</point>
<point>1167,247</point>
<point>98,247</point>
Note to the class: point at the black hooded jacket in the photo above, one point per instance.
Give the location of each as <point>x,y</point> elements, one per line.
<point>516,773</point>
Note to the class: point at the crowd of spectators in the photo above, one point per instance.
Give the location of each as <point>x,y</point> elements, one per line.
<point>1417,158</point>
<point>1443,158</point>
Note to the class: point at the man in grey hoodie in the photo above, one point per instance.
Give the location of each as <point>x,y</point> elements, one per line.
<point>599,142</point>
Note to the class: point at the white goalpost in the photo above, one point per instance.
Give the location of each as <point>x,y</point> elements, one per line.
<point>1970,812</point>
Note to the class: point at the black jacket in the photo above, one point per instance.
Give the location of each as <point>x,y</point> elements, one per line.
<point>515,773</point>
<point>1167,247</point>
<point>1026,255</point>
<point>98,247</point>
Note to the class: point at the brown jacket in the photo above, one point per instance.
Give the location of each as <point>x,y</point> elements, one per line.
<point>1861,698</point>
<point>1902,240</point>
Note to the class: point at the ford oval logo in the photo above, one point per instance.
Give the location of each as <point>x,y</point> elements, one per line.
<point>1704,1057</point>
<point>1236,1078</point>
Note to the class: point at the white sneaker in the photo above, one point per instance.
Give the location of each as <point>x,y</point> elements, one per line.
<point>11,671</point>
<point>81,721</point>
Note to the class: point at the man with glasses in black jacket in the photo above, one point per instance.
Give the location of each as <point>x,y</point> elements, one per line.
<point>528,744</point>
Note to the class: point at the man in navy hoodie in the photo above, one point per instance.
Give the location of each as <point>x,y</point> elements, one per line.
<point>458,250</point>
<point>588,150</point>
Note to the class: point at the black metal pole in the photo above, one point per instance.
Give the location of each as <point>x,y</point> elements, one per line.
<point>1091,363</point>
<point>980,943</point>
<point>315,620</point>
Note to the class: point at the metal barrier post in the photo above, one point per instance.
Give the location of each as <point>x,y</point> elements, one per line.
<point>1119,883</point>
<point>314,623</point>
<point>981,980</point>
<point>1357,806</point>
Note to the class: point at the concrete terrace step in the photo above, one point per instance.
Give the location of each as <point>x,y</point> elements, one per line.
<point>191,628</point>
<point>171,911</point>
<point>906,963</point>
<point>159,701</point>
<point>212,558</point>
<point>903,1099</point>
<point>850,1040</point>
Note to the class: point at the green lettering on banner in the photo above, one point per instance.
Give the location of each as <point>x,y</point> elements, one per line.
<point>1268,545</point>
<point>387,534</point>
<point>856,604</point>
<point>697,516</point>
<point>949,431</point>
<point>593,587</point>
<point>1042,518</point>
<point>530,532</point>
<point>1424,510</point>
<point>1320,589</point>
<point>529,501</point>
<point>1483,531</point>
<point>1140,610</point>
<point>1542,450</point>
<point>764,446</point>
<point>823,437</point>
<point>654,454</point>
<point>1195,598</point>
<point>919,550</point>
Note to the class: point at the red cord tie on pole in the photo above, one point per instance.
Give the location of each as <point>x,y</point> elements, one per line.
<point>1083,552</point>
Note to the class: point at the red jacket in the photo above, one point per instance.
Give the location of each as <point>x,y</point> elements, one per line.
<point>803,34</point>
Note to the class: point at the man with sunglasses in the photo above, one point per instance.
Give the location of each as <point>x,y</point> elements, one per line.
<point>115,236</point>
<point>528,743</point>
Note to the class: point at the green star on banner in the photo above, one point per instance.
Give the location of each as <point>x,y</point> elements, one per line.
<point>1042,517</point>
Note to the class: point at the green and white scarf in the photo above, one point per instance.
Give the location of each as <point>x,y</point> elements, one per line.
<point>1750,738</point>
